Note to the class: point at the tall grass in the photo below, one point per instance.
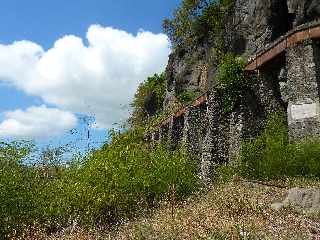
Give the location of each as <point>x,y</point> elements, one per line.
<point>271,155</point>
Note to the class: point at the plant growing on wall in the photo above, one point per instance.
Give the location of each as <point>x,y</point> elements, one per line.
<point>232,80</point>
<point>187,96</point>
<point>195,20</point>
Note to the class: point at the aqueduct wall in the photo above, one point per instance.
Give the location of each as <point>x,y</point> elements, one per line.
<point>287,74</point>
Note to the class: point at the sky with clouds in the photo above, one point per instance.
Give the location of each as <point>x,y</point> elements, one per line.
<point>63,59</point>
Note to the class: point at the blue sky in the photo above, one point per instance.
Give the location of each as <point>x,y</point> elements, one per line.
<point>75,50</point>
<point>45,21</point>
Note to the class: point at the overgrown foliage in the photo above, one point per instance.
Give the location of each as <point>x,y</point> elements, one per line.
<point>28,193</point>
<point>107,186</point>
<point>187,96</point>
<point>12,182</point>
<point>196,20</point>
<point>232,80</point>
<point>271,155</point>
<point>148,99</point>
<point>127,175</point>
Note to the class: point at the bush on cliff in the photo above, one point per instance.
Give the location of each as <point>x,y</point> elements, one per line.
<point>232,80</point>
<point>196,20</point>
<point>187,96</point>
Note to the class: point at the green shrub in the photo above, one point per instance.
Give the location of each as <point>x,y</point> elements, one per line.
<point>14,180</point>
<point>126,175</point>
<point>271,155</point>
<point>224,173</point>
<point>187,96</point>
<point>28,194</point>
<point>210,23</point>
<point>104,187</point>
<point>266,156</point>
<point>196,20</point>
<point>232,80</point>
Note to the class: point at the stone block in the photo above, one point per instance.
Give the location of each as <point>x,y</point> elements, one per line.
<point>303,90</point>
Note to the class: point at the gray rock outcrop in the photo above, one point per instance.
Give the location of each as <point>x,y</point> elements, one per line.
<point>303,200</point>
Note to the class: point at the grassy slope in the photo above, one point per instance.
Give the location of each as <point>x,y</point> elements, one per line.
<point>234,210</point>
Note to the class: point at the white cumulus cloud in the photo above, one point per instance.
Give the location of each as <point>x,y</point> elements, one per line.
<point>36,122</point>
<point>97,76</point>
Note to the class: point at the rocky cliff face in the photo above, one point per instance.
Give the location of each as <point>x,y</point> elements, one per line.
<point>187,70</point>
<point>249,26</point>
<point>290,83</point>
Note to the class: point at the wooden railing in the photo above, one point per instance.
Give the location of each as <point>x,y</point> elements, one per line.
<point>295,36</point>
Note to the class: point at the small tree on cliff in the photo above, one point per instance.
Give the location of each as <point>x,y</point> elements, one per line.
<point>148,99</point>
<point>196,20</point>
<point>232,80</point>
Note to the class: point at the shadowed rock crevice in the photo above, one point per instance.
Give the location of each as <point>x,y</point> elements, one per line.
<point>280,19</point>
<point>150,103</point>
<point>312,10</point>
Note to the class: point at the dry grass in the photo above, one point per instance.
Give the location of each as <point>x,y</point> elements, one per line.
<point>235,210</point>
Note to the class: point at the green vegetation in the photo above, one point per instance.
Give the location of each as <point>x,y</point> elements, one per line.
<point>109,185</point>
<point>154,88</point>
<point>272,156</point>
<point>196,20</point>
<point>29,194</point>
<point>127,175</point>
<point>124,178</point>
<point>15,188</point>
<point>187,96</point>
<point>232,80</point>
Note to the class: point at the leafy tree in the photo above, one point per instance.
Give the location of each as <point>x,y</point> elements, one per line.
<point>15,188</point>
<point>195,20</point>
<point>14,152</point>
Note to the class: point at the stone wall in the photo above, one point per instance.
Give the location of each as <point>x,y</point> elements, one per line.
<point>178,127</point>
<point>227,131</point>
<point>213,136</point>
<point>195,127</point>
<point>303,67</point>
<point>213,147</point>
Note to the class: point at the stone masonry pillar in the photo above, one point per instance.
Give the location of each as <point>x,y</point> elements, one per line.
<point>210,154</point>
<point>177,130</point>
<point>303,67</point>
<point>191,132</point>
<point>236,134</point>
